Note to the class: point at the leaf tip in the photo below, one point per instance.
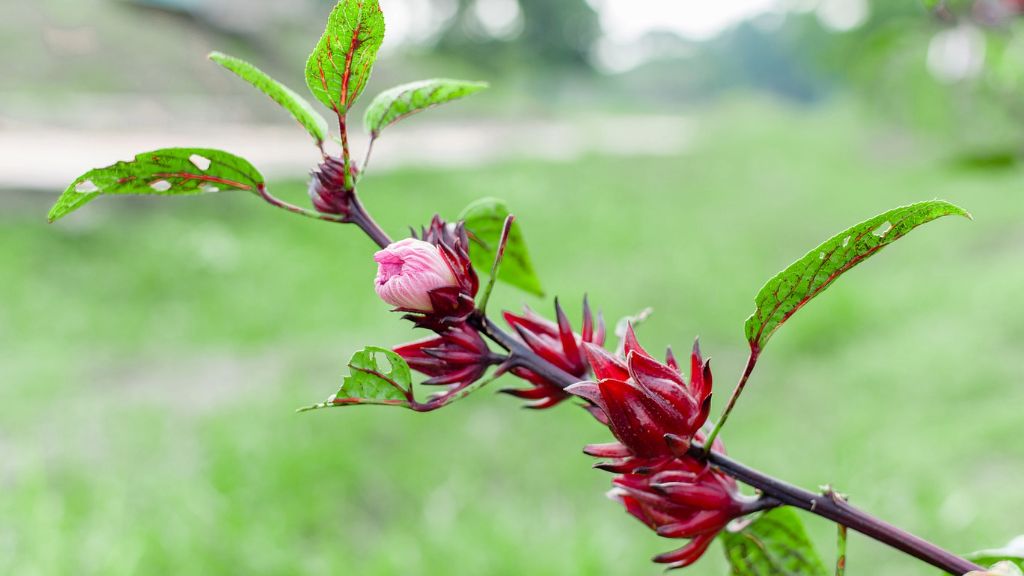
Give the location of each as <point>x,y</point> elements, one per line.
<point>55,214</point>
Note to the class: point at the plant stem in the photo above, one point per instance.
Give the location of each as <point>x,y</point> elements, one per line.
<point>755,353</point>
<point>828,507</point>
<point>839,512</point>
<point>519,354</point>
<point>772,489</point>
<point>275,201</point>
<point>360,217</point>
<point>366,159</point>
<point>498,257</point>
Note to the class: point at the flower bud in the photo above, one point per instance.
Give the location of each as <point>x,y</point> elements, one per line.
<point>327,189</point>
<point>408,271</point>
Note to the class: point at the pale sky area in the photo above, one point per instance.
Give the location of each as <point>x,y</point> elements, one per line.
<point>627,20</point>
<point>623,21</point>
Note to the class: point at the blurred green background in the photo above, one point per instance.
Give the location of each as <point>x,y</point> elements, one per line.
<point>152,351</point>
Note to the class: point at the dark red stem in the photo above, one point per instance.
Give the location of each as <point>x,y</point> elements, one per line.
<point>773,491</point>
<point>360,217</point>
<point>839,511</point>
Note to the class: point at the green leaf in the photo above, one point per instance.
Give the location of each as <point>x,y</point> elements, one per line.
<point>371,381</point>
<point>792,288</point>
<point>484,220</point>
<point>403,101</point>
<point>775,543</point>
<point>340,65</point>
<point>166,172</point>
<point>1012,552</point>
<point>300,108</point>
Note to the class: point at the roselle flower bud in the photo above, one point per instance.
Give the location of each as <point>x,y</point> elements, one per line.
<point>459,356</point>
<point>641,400</point>
<point>681,498</point>
<point>441,283</point>
<point>408,272</point>
<point>327,188</point>
<point>557,344</point>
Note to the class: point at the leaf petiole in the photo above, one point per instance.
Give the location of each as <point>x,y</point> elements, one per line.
<point>498,257</point>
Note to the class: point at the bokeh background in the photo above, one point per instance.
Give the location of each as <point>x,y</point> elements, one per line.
<point>661,153</point>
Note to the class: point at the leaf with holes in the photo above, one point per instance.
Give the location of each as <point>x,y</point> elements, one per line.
<point>166,172</point>
<point>484,222</point>
<point>340,65</point>
<point>809,276</point>
<point>403,101</point>
<point>299,107</point>
<point>774,543</point>
<point>373,381</point>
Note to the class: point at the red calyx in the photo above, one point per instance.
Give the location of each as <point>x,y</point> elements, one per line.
<point>655,415</point>
<point>457,357</point>
<point>643,399</point>
<point>327,188</point>
<point>557,344</point>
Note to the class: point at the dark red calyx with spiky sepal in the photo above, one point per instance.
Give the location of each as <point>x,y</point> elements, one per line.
<point>556,343</point>
<point>328,191</point>
<point>681,498</point>
<point>456,357</point>
<point>655,415</point>
<point>643,399</point>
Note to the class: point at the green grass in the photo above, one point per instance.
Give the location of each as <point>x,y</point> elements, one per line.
<point>153,352</point>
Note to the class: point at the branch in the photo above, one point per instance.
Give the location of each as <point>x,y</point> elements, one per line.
<point>519,354</point>
<point>773,490</point>
<point>839,512</point>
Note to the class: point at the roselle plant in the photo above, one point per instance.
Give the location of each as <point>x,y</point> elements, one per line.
<point>668,459</point>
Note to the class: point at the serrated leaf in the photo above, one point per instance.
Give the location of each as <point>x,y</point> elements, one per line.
<point>1012,552</point>
<point>792,288</point>
<point>484,220</point>
<point>372,381</point>
<point>774,544</point>
<point>403,101</point>
<point>340,65</point>
<point>299,107</point>
<point>165,172</point>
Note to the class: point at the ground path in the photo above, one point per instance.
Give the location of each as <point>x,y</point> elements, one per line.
<point>49,158</point>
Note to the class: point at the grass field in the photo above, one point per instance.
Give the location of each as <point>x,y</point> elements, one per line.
<point>153,352</point>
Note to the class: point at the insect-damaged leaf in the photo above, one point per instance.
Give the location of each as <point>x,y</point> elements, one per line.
<point>299,107</point>
<point>377,376</point>
<point>774,543</point>
<point>484,220</point>
<point>403,101</point>
<point>809,276</point>
<point>340,65</point>
<point>166,172</point>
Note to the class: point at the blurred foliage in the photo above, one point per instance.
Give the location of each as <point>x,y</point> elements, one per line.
<point>154,350</point>
<point>951,69</point>
<point>550,33</point>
